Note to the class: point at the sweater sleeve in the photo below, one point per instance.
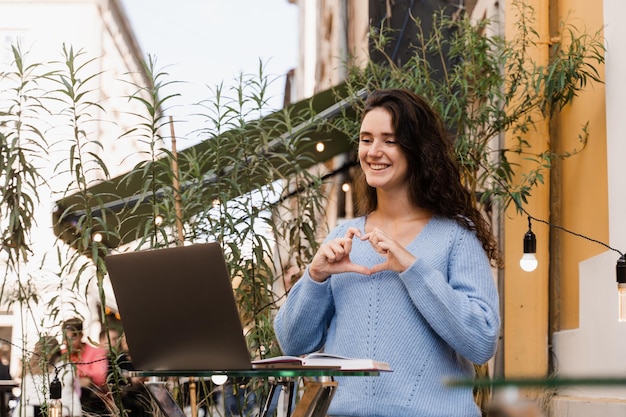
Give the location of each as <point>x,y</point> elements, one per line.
<point>302,322</point>
<point>462,308</point>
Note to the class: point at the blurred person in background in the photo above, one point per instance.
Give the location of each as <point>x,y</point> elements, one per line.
<point>90,365</point>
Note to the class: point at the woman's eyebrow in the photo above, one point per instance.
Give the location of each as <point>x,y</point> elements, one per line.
<point>385,134</point>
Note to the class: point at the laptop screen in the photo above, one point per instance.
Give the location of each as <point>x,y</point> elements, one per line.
<point>178,309</point>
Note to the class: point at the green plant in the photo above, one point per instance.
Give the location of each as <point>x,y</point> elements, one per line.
<point>22,149</point>
<point>226,192</point>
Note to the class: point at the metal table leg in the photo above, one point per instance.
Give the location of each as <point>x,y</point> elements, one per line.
<point>314,402</point>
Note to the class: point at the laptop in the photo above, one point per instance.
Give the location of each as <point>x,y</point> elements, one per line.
<point>178,309</point>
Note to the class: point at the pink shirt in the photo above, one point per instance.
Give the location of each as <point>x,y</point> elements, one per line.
<point>93,364</point>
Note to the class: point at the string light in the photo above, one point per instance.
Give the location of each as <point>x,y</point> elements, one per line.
<point>530,247</point>
<point>55,407</point>
<point>529,261</point>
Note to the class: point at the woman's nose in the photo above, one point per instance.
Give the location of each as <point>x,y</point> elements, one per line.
<point>374,149</point>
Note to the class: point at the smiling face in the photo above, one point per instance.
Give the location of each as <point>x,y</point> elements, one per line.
<point>383,163</point>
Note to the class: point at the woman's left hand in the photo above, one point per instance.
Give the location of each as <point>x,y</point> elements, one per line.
<point>398,258</point>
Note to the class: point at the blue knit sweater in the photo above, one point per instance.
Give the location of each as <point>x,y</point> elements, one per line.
<point>429,322</point>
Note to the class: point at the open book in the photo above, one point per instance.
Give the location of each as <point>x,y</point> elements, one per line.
<point>322,360</point>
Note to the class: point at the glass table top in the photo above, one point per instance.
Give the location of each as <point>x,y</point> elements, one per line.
<point>259,372</point>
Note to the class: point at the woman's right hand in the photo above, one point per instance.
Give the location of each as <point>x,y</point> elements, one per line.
<point>333,257</point>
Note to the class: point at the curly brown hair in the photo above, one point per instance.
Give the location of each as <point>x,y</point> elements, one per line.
<point>434,175</point>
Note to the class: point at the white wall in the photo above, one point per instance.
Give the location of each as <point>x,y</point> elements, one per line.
<point>597,347</point>
<point>308,30</point>
<point>615,33</point>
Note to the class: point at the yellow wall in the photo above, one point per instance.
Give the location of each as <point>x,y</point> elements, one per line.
<point>584,184</point>
<point>526,293</point>
<point>581,206</point>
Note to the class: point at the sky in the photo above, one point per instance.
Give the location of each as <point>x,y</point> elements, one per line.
<point>207,42</point>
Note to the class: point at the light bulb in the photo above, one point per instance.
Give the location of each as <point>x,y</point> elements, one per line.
<point>528,262</point>
<point>219,379</point>
<point>621,294</point>
<point>620,270</point>
<point>55,408</point>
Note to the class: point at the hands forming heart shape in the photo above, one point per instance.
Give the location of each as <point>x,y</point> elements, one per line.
<point>333,257</point>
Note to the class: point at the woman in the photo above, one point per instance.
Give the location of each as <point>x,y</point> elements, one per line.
<point>410,282</point>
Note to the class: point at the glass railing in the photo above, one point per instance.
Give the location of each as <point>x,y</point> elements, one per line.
<point>547,382</point>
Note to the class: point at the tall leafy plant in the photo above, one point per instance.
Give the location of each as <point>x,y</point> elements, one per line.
<point>79,115</point>
<point>22,149</point>
<point>225,190</point>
